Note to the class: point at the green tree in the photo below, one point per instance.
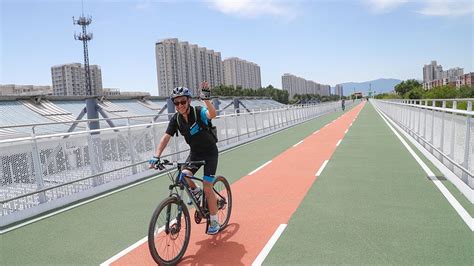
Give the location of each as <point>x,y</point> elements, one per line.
<point>465,92</point>
<point>415,93</point>
<point>441,92</point>
<point>406,86</point>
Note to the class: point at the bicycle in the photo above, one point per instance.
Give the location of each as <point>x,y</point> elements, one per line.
<point>170,226</point>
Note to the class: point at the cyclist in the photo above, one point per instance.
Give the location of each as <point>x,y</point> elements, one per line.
<point>201,141</point>
<point>343,103</point>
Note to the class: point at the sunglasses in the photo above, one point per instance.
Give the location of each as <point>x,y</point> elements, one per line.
<point>183,102</point>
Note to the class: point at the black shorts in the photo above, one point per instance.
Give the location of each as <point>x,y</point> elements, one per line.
<point>210,167</point>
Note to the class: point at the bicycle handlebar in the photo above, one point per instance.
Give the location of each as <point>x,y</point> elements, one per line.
<point>176,164</point>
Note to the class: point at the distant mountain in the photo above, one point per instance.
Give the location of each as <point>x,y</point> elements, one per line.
<point>378,85</point>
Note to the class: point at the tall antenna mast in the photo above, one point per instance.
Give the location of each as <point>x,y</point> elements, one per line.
<point>85,37</point>
<point>92,108</point>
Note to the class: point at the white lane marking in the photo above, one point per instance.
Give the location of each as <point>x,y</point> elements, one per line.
<point>263,165</point>
<point>466,217</point>
<point>350,125</point>
<point>297,143</point>
<point>132,247</point>
<point>322,168</point>
<point>339,142</point>
<point>264,253</point>
<point>125,251</point>
<point>316,132</point>
<point>345,132</point>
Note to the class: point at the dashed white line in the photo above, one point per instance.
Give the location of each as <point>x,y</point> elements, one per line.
<point>339,142</point>
<point>322,168</point>
<point>297,144</point>
<point>345,132</point>
<point>265,164</point>
<point>316,132</point>
<point>264,253</point>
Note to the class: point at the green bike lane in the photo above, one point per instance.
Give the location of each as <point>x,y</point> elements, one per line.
<point>373,204</point>
<point>93,232</point>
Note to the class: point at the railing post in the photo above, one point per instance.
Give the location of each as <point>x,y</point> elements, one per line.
<point>247,124</point>
<point>424,120</point>
<point>237,125</point>
<point>453,130</point>
<point>255,122</point>
<point>226,129</point>
<point>409,115</point>
<point>442,127</point>
<point>273,119</point>
<point>38,169</point>
<point>130,147</point>
<point>467,142</point>
<point>433,104</point>
<point>419,119</point>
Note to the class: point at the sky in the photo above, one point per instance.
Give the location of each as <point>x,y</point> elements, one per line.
<point>329,42</point>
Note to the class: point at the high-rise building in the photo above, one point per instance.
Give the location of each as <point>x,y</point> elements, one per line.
<point>183,64</point>
<point>297,85</point>
<point>70,79</point>
<point>339,90</point>
<point>432,71</point>
<point>452,74</point>
<point>239,72</point>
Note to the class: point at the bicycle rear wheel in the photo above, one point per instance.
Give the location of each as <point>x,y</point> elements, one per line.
<point>169,231</point>
<point>224,200</point>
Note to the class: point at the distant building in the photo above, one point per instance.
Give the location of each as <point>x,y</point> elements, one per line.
<point>434,76</point>
<point>19,90</point>
<point>183,64</point>
<point>239,72</point>
<point>134,93</point>
<point>110,91</point>
<point>117,92</point>
<point>296,85</point>
<point>325,90</point>
<point>432,71</point>
<point>70,79</point>
<point>465,80</point>
<point>339,90</point>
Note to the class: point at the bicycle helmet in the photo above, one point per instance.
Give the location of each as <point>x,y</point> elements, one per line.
<point>180,91</point>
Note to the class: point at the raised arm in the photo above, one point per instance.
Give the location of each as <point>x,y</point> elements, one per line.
<point>205,96</point>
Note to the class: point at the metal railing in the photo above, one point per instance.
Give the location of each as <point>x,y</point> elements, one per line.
<point>42,172</point>
<point>443,129</point>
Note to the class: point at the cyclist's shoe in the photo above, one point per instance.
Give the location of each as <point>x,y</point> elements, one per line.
<point>213,228</point>
<point>197,195</point>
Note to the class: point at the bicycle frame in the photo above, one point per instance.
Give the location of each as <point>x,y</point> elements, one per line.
<point>180,182</point>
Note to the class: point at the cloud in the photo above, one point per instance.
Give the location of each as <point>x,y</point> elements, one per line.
<point>426,7</point>
<point>253,8</point>
<point>447,8</point>
<point>383,6</point>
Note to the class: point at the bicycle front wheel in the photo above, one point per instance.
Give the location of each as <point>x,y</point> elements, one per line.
<point>224,200</point>
<point>169,232</point>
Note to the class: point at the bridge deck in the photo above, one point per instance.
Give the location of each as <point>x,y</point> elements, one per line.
<point>372,203</point>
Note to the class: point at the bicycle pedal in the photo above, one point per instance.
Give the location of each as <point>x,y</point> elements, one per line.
<point>197,217</point>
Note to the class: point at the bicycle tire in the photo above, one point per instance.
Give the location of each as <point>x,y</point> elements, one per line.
<point>223,193</point>
<point>174,231</point>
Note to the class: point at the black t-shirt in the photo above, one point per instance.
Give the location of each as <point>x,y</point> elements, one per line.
<point>199,139</point>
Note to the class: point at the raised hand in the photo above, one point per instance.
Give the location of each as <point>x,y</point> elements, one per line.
<point>205,91</point>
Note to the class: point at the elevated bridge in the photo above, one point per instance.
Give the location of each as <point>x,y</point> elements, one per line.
<point>371,185</point>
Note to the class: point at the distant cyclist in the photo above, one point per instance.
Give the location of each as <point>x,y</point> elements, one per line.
<point>201,141</point>
<point>343,104</point>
